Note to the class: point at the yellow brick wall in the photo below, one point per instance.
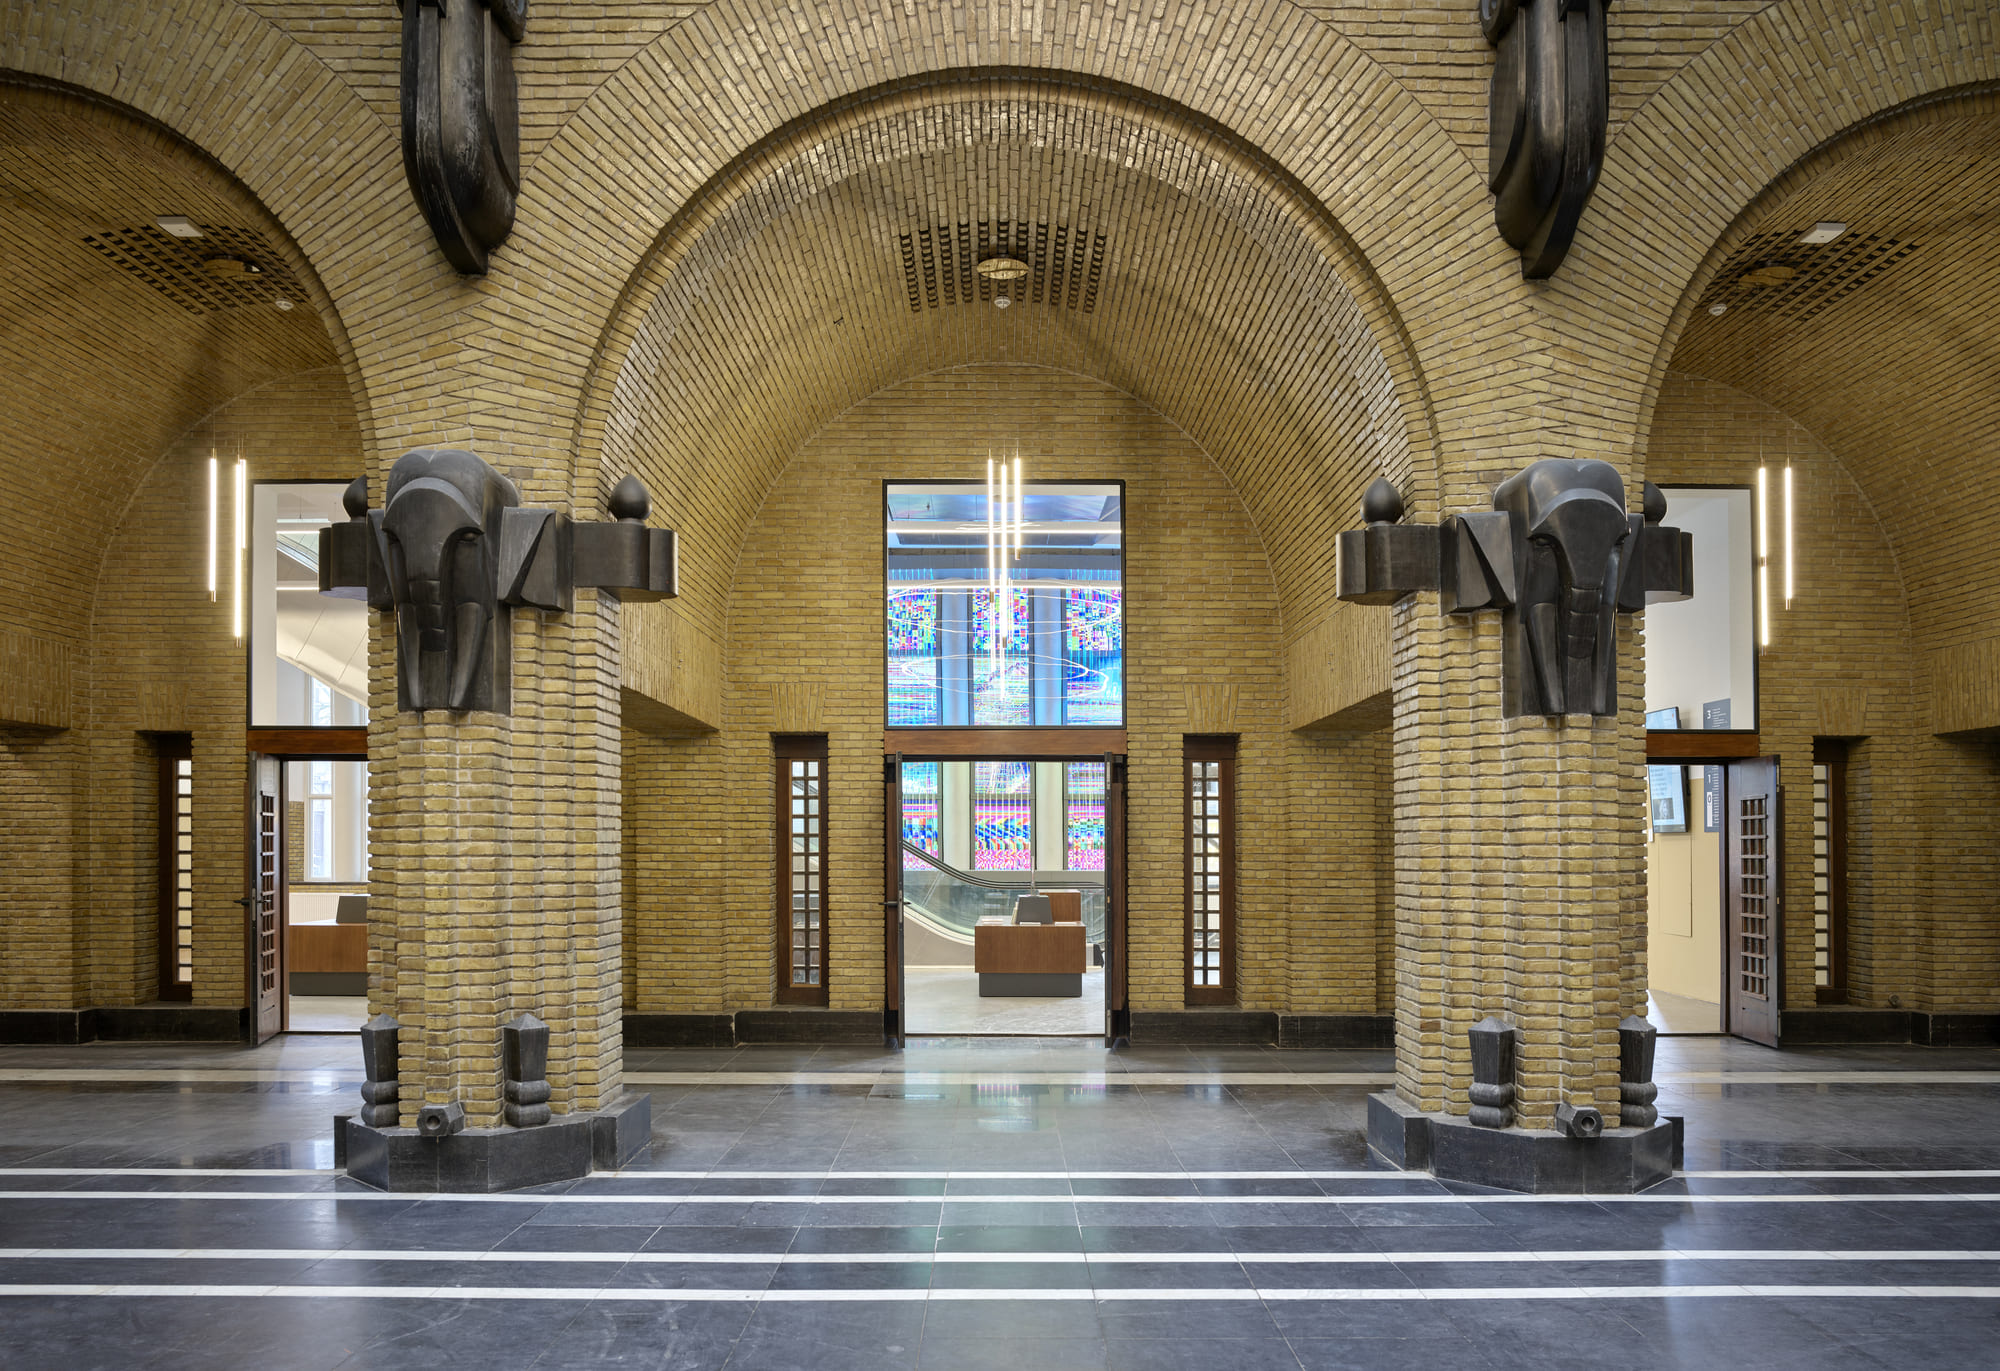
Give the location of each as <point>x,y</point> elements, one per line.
<point>805,654</point>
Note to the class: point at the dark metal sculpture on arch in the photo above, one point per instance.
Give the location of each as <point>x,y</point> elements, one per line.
<point>1557,555</point>
<point>461,121</point>
<point>452,548</point>
<point>1547,111</point>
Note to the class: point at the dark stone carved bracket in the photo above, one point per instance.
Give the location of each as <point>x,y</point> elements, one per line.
<point>452,548</point>
<point>1547,110</point>
<point>461,121</point>
<point>1557,555</point>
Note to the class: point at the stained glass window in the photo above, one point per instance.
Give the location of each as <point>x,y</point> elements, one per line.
<point>1002,669</point>
<point>1003,610</point>
<point>920,811</point>
<point>1093,657</point>
<point>1083,816</point>
<point>1003,813</point>
<point>912,660</point>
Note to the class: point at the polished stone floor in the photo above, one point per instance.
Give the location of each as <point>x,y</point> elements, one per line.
<point>974,1203</point>
<point>943,1000</point>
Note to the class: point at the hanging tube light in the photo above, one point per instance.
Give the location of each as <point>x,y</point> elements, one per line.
<point>241,544</point>
<point>1764,556</point>
<point>1788,535</point>
<point>1020,505</point>
<point>214,500</point>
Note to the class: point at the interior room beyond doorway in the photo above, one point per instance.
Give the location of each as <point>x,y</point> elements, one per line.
<point>982,842</point>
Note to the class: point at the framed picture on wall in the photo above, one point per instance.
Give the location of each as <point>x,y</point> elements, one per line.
<point>1666,797</point>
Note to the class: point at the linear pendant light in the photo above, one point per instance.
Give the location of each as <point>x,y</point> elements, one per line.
<point>1764,556</point>
<point>214,501</point>
<point>241,544</point>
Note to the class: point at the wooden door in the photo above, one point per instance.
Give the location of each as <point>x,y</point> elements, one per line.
<point>1752,895</point>
<point>1117,1002</point>
<point>264,904</point>
<point>892,899</point>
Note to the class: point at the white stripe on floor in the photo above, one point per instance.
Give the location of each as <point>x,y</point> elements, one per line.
<point>530,1258</point>
<point>1759,1174</point>
<point>346,1076</point>
<point>1929,1197</point>
<point>587,1294</point>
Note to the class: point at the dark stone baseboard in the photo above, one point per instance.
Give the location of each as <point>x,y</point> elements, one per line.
<point>680,1030</point>
<point>1337,1032</point>
<point>1839,1024</point>
<point>487,1160</point>
<point>124,1023</point>
<point>1205,1027</point>
<point>1619,1161</point>
<point>1955,1030</point>
<point>1066,985</point>
<point>852,1026</point>
<point>1842,1025</point>
<point>329,982</point>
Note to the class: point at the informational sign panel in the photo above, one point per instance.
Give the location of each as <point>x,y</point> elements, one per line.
<point>1714,714</point>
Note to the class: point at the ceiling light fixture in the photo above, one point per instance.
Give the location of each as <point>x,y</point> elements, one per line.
<point>1003,268</point>
<point>1822,233</point>
<point>229,266</point>
<point>282,303</point>
<point>179,225</point>
<point>1001,302</point>
<point>1720,307</point>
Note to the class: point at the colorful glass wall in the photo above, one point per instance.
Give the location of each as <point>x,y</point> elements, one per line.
<point>912,658</point>
<point>1093,635</point>
<point>1001,665</point>
<point>1083,816</point>
<point>920,810</point>
<point>1003,816</point>
<point>1051,653</point>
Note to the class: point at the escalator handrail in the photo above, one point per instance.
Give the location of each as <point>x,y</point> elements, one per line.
<point>946,868</point>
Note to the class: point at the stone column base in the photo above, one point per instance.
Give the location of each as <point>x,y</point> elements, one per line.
<point>483,1160</point>
<point>1619,1161</point>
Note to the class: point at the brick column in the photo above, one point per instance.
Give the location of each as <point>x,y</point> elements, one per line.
<point>1520,893</point>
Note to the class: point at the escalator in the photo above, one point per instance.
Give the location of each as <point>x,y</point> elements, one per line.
<point>948,902</point>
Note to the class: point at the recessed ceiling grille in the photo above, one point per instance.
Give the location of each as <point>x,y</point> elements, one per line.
<point>1065,264</point>
<point>1803,280</point>
<point>176,268</point>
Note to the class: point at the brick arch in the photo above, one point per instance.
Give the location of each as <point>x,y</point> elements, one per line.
<point>1685,176</point>
<point>1287,435</point>
<point>674,118</point>
<point>268,114</point>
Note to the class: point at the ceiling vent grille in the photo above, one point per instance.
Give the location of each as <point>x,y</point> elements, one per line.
<point>1065,264</point>
<point>1774,273</point>
<point>176,267</point>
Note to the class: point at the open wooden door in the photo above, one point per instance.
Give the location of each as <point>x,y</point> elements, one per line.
<point>264,904</point>
<point>1117,1001</point>
<point>892,899</point>
<point>1752,892</point>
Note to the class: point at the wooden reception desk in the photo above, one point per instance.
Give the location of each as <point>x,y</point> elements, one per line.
<point>1029,959</point>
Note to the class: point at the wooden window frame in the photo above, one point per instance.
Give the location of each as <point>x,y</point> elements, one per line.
<point>170,749</point>
<point>1832,753</point>
<point>1220,749</point>
<point>787,748</point>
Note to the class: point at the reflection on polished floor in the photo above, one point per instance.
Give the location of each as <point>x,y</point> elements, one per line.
<point>1682,1014</point>
<point>983,1202</point>
<point>945,1000</point>
<point>328,1013</point>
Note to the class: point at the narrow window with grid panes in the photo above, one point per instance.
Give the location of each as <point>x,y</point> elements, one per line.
<point>176,860</point>
<point>801,844</point>
<point>1208,792</point>
<point>1829,846</point>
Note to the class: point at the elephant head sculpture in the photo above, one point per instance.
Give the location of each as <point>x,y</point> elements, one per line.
<point>1571,536</point>
<point>440,527</point>
<point>1558,554</point>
